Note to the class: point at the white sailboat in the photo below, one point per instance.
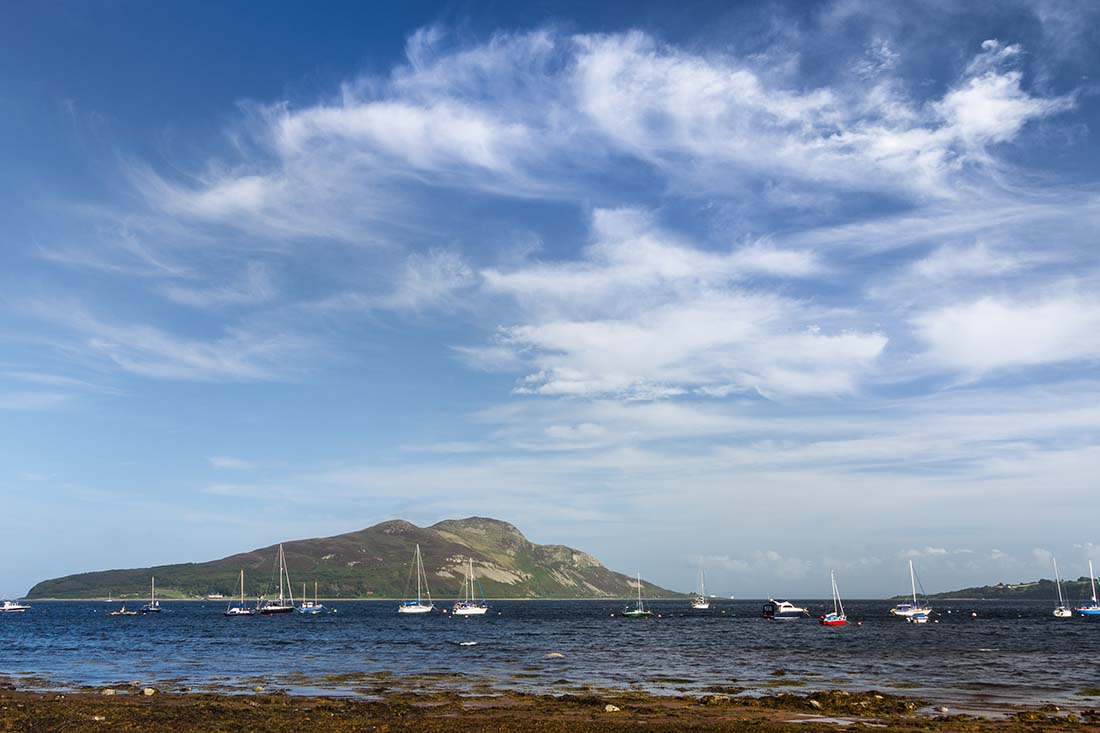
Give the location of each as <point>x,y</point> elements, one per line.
<point>639,611</point>
<point>1090,608</point>
<point>234,611</point>
<point>285,602</point>
<point>418,606</point>
<point>914,612</point>
<point>837,617</point>
<point>700,602</point>
<point>469,605</point>
<point>1061,610</point>
<point>153,606</point>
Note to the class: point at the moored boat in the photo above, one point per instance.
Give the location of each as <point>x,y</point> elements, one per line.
<point>638,610</point>
<point>1061,610</point>
<point>13,607</point>
<point>308,607</point>
<point>837,617</point>
<point>469,605</point>
<point>700,602</point>
<point>418,606</point>
<point>916,608</point>
<point>153,606</point>
<point>777,609</point>
<point>285,602</point>
<point>234,611</point>
<point>1090,608</point>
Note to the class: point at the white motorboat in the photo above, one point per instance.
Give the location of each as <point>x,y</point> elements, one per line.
<point>13,607</point>
<point>774,609</point>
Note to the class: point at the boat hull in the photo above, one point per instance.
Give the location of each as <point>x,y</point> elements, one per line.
<point>637,614</point>
<point>275,610</point>
<point>471,611</point>
<point>833,619</point>
<point>783,610</point>
<point>1092,611</point>
<point>238,612</point>
<point>910,611</point>
<point>415,609</point>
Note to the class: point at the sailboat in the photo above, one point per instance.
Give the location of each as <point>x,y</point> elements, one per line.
<point>469,605</point>
<point>153,606</point>
<point>1090,608</point>
<point>418,606</point>
<point>639,610</point>
<point>914,612</point>
<point>700,602</point>
<point>1061,610</point>
<point>285,603</point>
<point>234,611</point>
<point>837,617</point>
<point>311,608</point>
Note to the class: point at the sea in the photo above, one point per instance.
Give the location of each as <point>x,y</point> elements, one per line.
<point>977,656</point>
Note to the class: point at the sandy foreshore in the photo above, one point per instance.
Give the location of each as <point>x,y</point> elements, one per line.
<point>150,710</point>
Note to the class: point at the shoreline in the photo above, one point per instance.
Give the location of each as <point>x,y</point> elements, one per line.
<point>139,708</point>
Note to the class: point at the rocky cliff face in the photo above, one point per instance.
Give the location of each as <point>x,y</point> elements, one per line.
<point>376,563</point>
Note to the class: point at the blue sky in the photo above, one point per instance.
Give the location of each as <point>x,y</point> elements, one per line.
<point>787,287</point>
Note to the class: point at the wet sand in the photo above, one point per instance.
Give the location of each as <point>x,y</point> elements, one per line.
<point>138,709</point>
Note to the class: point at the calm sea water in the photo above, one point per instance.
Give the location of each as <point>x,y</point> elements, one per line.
<point>1010,653</point>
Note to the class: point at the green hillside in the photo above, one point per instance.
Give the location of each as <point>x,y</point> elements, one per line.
<point>375,562</point>
<point>1073,590</point>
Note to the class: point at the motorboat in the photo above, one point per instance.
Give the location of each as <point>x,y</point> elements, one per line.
<point>776,609</point>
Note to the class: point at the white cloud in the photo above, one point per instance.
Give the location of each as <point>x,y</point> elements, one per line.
<point>991,333</point>
<point>643,315</point>
<point>237,353</point>
<point>230,463</point>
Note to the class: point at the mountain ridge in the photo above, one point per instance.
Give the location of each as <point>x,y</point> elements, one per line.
<point>1042,589</point>
<point>376,562</point>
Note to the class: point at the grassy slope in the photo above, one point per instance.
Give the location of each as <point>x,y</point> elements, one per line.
<point>376,562</point>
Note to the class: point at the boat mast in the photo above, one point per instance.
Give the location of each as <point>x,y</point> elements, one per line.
<point>152,590</point>
<point>1092,581</point>
<point>1058,582</point>
<point>913,581</point>
<point>242,587</point>
<point>640,607</point>
<point>418,572</point>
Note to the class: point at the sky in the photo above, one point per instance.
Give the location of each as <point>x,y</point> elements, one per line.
<point>776,287</point>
